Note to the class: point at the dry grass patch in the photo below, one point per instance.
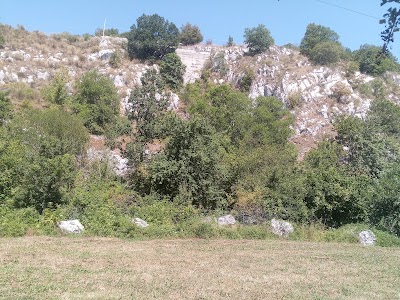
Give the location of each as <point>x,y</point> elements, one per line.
<point>100,268</point>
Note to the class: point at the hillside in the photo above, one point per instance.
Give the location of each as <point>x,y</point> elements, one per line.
<point>90,130</point>
<point>315,94</point>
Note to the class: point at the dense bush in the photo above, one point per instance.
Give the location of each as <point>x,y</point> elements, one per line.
<point>5,108</point>
<point>172,70</point>
<point>152,37</point>
<point>372,61</point>
<point>56,92</point>
<point>38,152</point>
<point>190,35</point>
<point>96,101</point>
<point>258,39</point>
<point>314,35</point>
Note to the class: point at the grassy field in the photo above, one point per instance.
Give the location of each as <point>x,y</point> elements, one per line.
<point>102,268</point>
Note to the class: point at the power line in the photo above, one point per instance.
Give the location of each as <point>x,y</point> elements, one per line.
<point>348,9</point>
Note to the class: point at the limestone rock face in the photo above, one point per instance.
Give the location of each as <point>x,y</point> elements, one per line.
<point>71,226</point>
<point>281,228</point>
<point>367,238</point>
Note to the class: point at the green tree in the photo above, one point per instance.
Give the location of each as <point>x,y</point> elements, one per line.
<point>148,104</point>
<point>190,35</point>
<point>258,39</point>
<point>190,165</point>
<point>56,92</point>
<point>37,158</point>
<point>152,37</point>
<point>172,70</point>
<point>372,61</point>
<point>96,101</point>
<point>391,19</point>
<point>326,53</point>
<point>314,35</point>
<point>230,42</point>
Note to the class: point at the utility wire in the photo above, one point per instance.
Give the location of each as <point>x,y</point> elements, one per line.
<point>348,9</point>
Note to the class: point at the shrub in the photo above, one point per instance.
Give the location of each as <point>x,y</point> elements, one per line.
<point>96,101</point>
<point>107,32</point>
<point>56,92</point>
<point>372,61</point>
<point>190,35</point>
<point>5,108</point>
<point>172,70</point>
<point>2,42</point>
<point>230,42</point>
<point>246,80</point>
<point>294,99</point>
<point>152,37</point>
<point>326,53</point>
<point>258,39</point>
<point>115,59</point>
<point>314,35</point>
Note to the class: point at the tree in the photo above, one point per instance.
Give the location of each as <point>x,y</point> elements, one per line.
<point>230,42</point>
<point>314,35</point>
<point>172,70</point>
<point>392,21</point>
<point>152,37</point>
<point>96,101</point>
<point>37,158</point>
<point>56,92</point>
<point>258,39</point>
<point>372,61</point>
<point>326,53</point>
<point>190,165</point>
<point>148,104</point>
<point>190,35</point>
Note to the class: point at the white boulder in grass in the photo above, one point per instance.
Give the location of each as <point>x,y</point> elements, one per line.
<point>140,223</point>
<point>71,226</point>
<point>226,220</point>
<point>367,238</point>
<point>281,228</point>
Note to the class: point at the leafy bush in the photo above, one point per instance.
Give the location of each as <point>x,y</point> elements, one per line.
<point>190,35</point>
<point>96,101</point>
<point>314,35</point>
<point>152,37</point>
<point>258,39</point>
<point>372,61</point>
<point>326,53</point>
<point>172,70</point>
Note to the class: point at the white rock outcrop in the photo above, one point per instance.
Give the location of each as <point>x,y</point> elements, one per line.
<point>226,220</point>
<point>281,228</point>
<point>367,238</point>
<point>71,226</point>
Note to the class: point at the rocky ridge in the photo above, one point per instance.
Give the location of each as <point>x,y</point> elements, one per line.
<point>315,94</point>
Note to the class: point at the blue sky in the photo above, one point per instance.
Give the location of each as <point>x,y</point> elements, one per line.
<point>217,19</point>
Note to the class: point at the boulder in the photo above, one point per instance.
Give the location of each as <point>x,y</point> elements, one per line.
<point>140,223</point>
<point>71,226</point>
<point>367,238</point>
<point>226,220</point>
<point>281,228</point>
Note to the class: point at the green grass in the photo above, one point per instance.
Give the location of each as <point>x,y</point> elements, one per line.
<point>105,268</point>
